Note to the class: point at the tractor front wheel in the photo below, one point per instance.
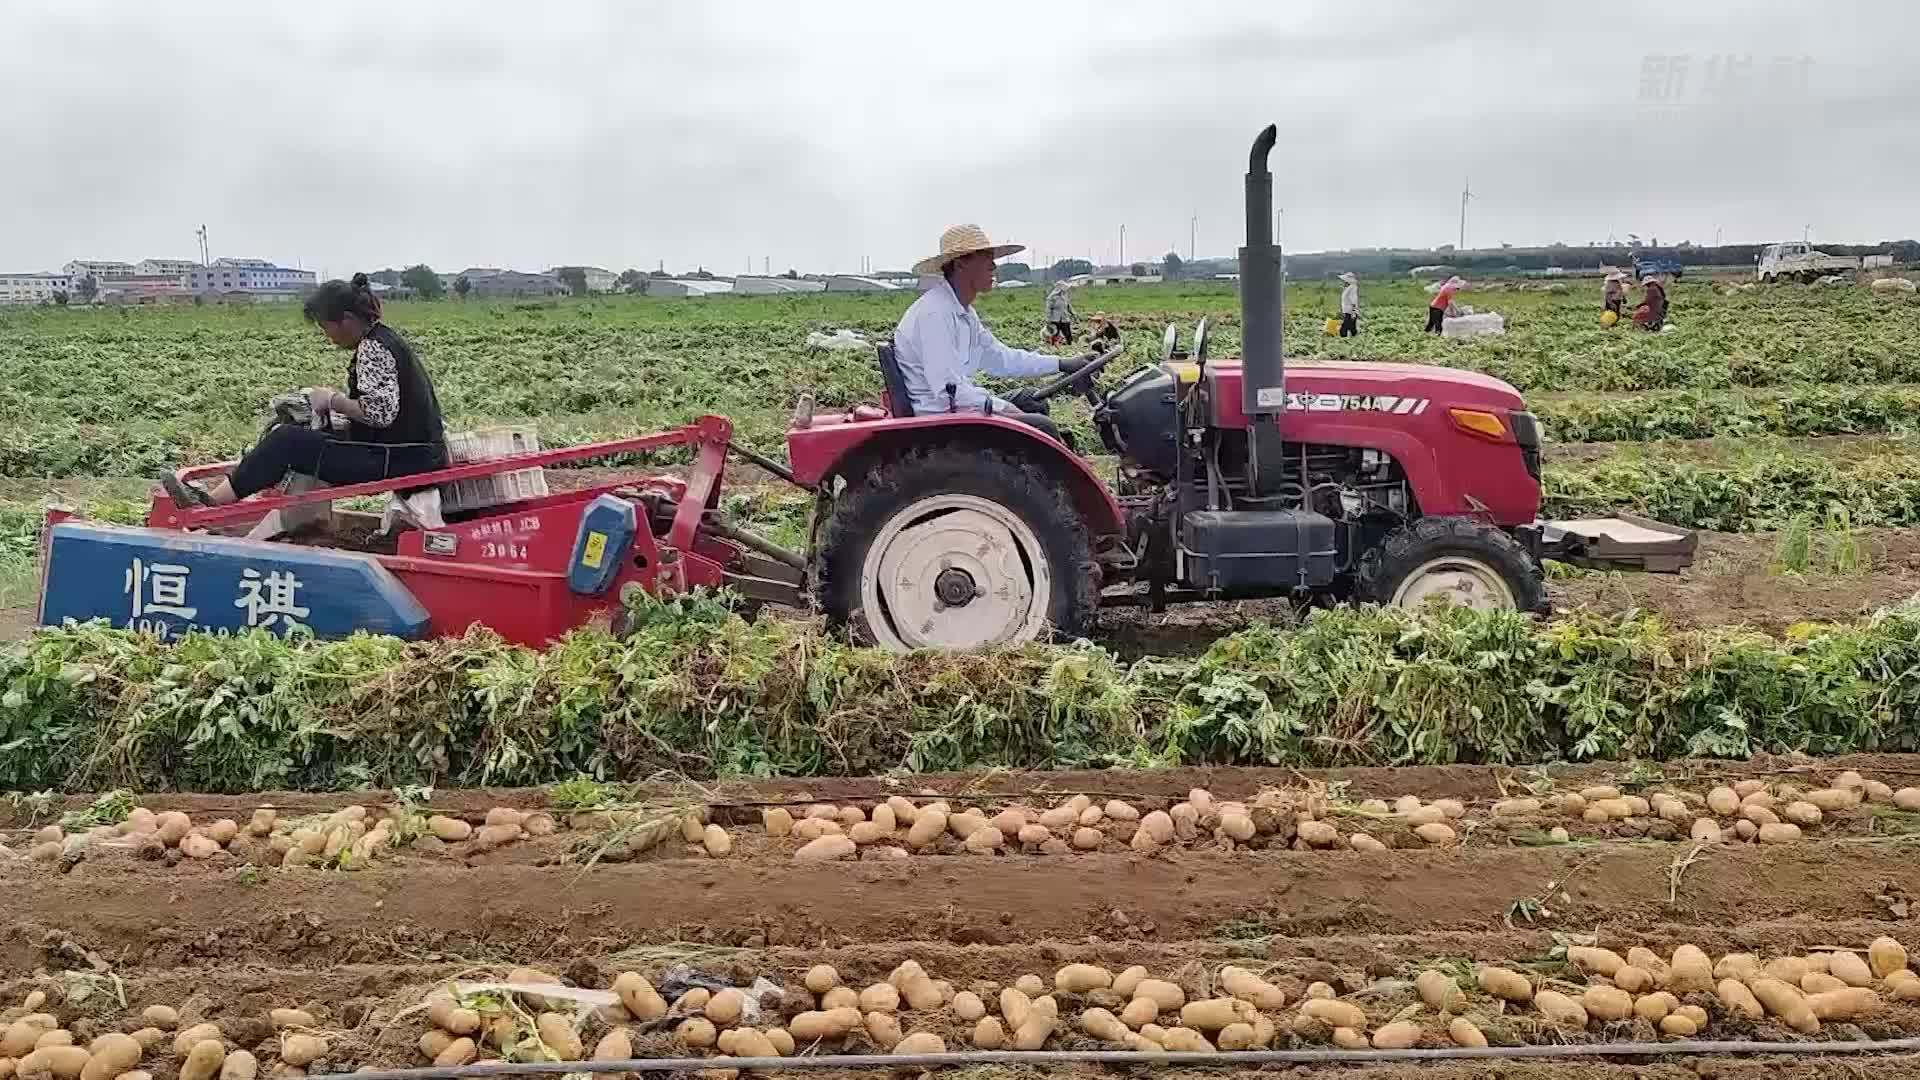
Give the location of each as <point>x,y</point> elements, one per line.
<point>956,548</point>
<point>1457,560</point>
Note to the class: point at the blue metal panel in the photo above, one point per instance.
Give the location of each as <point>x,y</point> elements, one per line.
<point>167,583</point>
<point>600,545</point>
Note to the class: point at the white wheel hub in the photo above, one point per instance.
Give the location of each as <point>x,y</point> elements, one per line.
<point>955,572</point>
<point>1459,580</point>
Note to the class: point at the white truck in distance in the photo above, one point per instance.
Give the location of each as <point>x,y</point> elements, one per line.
<point>1796,259</point>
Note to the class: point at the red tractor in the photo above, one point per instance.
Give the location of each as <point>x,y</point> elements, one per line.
<point>1391,483</point>
<point>1381,482</point>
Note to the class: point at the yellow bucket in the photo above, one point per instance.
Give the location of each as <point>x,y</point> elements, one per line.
<point>1333,326</point>
<point>1608,318</point>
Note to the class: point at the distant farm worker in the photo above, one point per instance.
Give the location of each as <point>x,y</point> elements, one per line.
<point>392,418</point>
<point>1652,312</point>
<point>1059,315</point>
<point>941,343</point>
<point>1104,334</point>
<point>1614,297</point>
<point>1442,300</point>
<point>1350,306</point>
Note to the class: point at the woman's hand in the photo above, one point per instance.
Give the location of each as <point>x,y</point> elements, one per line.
<point>321,398</point>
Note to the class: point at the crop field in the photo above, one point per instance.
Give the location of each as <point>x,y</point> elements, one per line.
<point>1682,812</point>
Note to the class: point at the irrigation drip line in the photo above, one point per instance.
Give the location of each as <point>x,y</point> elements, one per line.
<point>1129,1057</point>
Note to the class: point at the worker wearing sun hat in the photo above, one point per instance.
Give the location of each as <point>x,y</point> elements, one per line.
<point>1350,306</point>
<point>941,343</point>
<point>1614,295</point>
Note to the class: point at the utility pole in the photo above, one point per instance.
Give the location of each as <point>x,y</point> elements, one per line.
<point>1193,232</point>
<point>1466,192</point>
<point>202,233</point>
<point>766,265</point>
<point>1123,245</point>
<point>1806,234</point>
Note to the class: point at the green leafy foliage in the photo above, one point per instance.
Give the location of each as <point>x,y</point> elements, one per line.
<point>697,691</point>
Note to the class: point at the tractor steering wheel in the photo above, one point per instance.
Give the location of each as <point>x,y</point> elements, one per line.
<point>1066,381</point>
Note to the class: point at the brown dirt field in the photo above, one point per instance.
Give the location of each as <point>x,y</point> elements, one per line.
<point>1733,583</point>
<point>225,943</point>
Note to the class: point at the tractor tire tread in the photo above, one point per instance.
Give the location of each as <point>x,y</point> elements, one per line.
<point>1407,547</point>
<point>1015,481</point>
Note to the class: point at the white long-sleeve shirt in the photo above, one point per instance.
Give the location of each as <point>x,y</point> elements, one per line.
<point>1059,305</point>
<point>1350,300</point>
<point>941,341</point>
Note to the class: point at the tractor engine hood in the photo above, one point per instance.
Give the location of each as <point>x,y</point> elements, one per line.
<point>1365,386</point>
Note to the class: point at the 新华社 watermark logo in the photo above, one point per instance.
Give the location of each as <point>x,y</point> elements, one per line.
<point>1722,78</point>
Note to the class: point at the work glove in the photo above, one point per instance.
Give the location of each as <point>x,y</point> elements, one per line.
<point>1027,401</point>
<point>1071,364</point>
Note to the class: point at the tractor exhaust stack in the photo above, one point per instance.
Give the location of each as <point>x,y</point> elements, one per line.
<point>1263,395</point>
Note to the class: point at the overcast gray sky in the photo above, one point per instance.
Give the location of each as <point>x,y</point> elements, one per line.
<point>347,135</point>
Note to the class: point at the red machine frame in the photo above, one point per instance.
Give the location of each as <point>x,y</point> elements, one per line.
<point>505,566</point>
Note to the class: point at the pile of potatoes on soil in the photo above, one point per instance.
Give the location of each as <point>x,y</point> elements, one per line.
<point>349,838</point>
<point>1278,818</point>
<point>1640,995</point>
<point>35,1045</point>
<point>1674,993</point>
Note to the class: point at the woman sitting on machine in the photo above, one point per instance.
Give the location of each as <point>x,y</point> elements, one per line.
<point>392,425</point>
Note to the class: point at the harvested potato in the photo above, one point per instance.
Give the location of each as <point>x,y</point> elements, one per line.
<point>1399,1035</point>
<point>698,1033</point>
<point>1092,815</point>
<point>1819,982</point>
<point>1886,956</point>
<point>1742,966</point>
<point>1033,1033</point>
<point>461,1051</point>
<point>1332,1012</point>
<point>1165,995</point>
<point>195,845</point>
<point>1845,1003</point>
<point>241,1065</point>
<point>444,1012</point>
<point>723,1008</point>
<point>164,1017</point>
<point>921,1042</point>
<point>1158,825</point>
<point>1595,961</point>
<point>1834,800</point>
<point>299,1018</point>
<point>1121,811</point>
<point>1505,984</point>
<point>1606,1003</point>
<point>1463,1032</point>
<point>966,823</point>
<point>1904,990</point>
<point>1788,969</point>
<point>494,836</point>
<point>1251,988</point>
<point>638,996</point>
<point>56,1037</point>
<point>1347,1038</point>
<point>297,1050</point>
<point>148,1038</point>
<point>112,1054</point>
<point>1102,1024</point>
<point>1678,1025</point>
<point>1759,815</point>
<point>926,829</point>
<point>170,827</point>
<point>1785,1002</point>
<point>989,1034</point>
<point>1319,834</point>
<point>1009,821</point>
<point>1652,1007</point>
<point>883,1029</point>
<point>1723,801</point>
<point>1235,1037</point>
<point>433,1041</point>
<point>1014,1006</point>
<point>821,978</point>
<point>1181,1040</point>
<point>1779,833</point>
<point>1213,1014</point>
<point>826,849</point>
<point>204,1060</point>
<point>1080,978</point>
<point>1632,979</point>
<point>185,1041</point>
<point>880,997</point>
<point>840,997</point>
<point>1849,968</point>
<point>1426,815</point>
<point>1439,991</point>
<point>1801,813</point>
<point>1320,990</point>
<point>1735,996</point>
<point>263,821</point>
<point>62,1062</point>
<point>1560,1009</point>
<point>776,820</point>
<point>1436,834</point>
<point>1516,807</point>
<point>1139,1011</point>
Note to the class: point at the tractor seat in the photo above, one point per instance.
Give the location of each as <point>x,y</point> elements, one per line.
<point>899,403</point>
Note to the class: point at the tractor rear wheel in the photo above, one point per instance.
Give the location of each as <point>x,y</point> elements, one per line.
<point>956,548</point>
<point>1458,560</point>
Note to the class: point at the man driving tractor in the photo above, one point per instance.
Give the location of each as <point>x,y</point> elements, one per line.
<point>941,343</point>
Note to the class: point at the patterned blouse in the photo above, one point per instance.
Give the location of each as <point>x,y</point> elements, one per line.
<point>377,376</point>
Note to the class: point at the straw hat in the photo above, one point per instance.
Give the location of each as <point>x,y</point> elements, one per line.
<point>963,240</point>
<point>1349,278</point>
<point>1616,276</point>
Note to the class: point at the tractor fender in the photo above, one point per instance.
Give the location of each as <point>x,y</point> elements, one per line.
<point>1481,478</point>
<point>828,448</point>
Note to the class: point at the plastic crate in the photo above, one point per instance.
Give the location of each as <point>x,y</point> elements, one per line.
<point>492,444</point>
